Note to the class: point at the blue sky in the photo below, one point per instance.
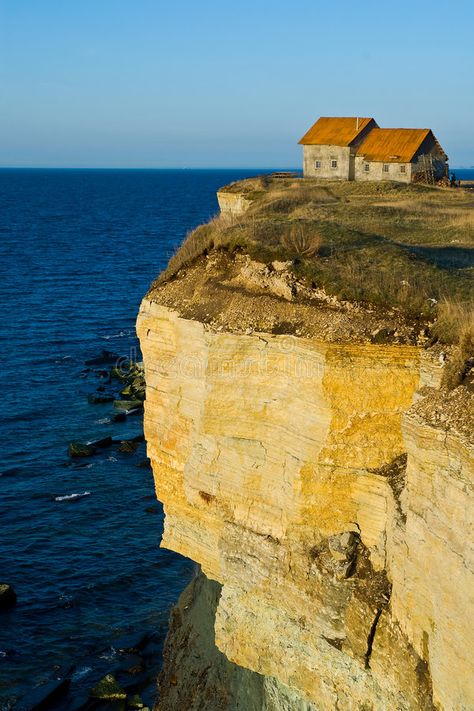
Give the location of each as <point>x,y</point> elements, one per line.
<point>154,83</point>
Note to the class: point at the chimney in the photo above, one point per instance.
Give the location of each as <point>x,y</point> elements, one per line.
<point>357,123</point>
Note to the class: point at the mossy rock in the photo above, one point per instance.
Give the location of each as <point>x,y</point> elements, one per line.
<point>119,373</point>
<point>136,702</point>
<point>77,449</point>
<point>128,446</point>
<point>127,404</point>
<point>108,688</point>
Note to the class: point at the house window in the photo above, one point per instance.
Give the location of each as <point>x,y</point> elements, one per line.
<point>317,164</point>
<point>386,167</point>
<point>333,163</point>
<point>366,167</point>
<point>403,169</point>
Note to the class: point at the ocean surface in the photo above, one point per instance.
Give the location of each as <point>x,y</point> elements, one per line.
<point>79,538</point>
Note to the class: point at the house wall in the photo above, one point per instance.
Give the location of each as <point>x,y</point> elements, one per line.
<point>325,154</point>
<point>376,171</point>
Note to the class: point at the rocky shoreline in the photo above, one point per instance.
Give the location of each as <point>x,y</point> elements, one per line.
<point>123,675</point>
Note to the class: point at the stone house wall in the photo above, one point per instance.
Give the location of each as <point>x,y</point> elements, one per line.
<point>326,154</point>
<point>376,171</point>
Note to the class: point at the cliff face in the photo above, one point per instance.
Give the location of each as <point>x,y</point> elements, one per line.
<point>332,510</point>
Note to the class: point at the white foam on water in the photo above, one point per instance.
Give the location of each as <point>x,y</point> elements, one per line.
<point>109,654</point>
<point>120,334</point>
<point>79,673</point>
<point>68,497</point>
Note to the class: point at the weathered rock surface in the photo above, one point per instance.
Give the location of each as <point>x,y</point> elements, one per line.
<point>197,676</point>
<point>298,473</point>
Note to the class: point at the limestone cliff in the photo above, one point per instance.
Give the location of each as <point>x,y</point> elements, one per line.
<point>319,476</point>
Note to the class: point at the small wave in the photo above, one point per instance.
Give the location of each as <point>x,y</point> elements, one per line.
<point>68,497</point>
<point>81,672</point>
<point>109,654</point>
<point>120,334</point>
<point>112,459</point>
<point>102,421</point>
<point>3,654</point>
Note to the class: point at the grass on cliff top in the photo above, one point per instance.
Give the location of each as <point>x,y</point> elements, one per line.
<point>387,244</point>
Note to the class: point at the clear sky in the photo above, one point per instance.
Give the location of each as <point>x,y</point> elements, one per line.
<point>204,83</point>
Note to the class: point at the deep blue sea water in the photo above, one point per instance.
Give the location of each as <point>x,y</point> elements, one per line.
<point>464,173</point>
<point>78,250</point>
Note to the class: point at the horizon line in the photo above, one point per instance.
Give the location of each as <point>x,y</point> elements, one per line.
<point>119,167</point>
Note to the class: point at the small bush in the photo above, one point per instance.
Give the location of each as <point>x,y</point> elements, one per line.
<point>301,241</point>
<point>455,321</point>
<point>455,324</point>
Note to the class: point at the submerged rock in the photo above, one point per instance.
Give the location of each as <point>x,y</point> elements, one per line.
<point>44,697</point>
<point>99,398</point>
<point>105,358</point>
<point>128,446</point>
<point>109,689</point>
<point>128,404</point>
<point>88,449</point>
<point>77,449</point>
<point>131,643</point>
<point>7,596</point>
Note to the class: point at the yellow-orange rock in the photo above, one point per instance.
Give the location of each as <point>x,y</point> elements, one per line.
<point>280,462</point>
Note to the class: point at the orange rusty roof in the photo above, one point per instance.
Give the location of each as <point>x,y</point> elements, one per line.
<point>335,131</point>
<point>394,144</point>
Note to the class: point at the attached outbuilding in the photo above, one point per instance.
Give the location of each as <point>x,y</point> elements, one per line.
<point>402,154</point>
<point>351,148</point>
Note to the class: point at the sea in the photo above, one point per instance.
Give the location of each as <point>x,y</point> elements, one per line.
<point>79,539</point>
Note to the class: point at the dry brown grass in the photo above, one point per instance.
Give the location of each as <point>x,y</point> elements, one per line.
<point>455,319</point>
<point>455,324</point>
<point>302,241</point>
<point>386,244</point>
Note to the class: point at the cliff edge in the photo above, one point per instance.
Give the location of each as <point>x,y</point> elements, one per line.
<point>312,460</point>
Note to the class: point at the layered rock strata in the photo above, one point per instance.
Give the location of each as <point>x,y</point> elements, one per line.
<point>332,510</point>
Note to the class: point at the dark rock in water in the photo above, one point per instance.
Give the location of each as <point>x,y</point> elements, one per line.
<point>99,398</point>
<point>128,446</point>
<point>102,443</point>
<point>77,449</point>
<point>144,464</point>
<point>153,649</point>
<point>105,358</point>
<point>108,689</point>
<point>128,404</point>
<point>137,683</point>
<point>152,509</point>
<point>130,643</point>
<point>7,596</point>
<point>122,374</point>
<point>44,697</point>
<point>136,702</point>
<point>138,438</point>
<point>102,374</point>
<point>130,660</point>
<point>119,417</point>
